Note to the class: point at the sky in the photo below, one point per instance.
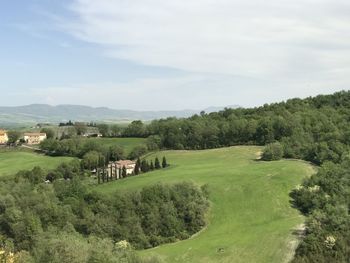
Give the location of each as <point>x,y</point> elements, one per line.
<point>171,55</point>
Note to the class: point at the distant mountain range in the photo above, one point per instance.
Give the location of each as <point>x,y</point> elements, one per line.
<point>43,113</point>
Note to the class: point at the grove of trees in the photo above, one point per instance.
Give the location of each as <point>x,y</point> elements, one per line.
<point>65,221</point>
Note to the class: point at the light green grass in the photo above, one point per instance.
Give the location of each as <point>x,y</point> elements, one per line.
<point>250,219</point>
<point>128,144</point>
<point>13,161</point>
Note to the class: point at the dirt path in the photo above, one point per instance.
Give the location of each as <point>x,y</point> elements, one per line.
<point>297,235</point>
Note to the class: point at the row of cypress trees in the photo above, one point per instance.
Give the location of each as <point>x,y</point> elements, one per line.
<point>145,166</point>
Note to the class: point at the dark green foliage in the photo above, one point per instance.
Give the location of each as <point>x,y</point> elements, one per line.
<point>65,222</point>
<point>137,152</point>
<point>157,163</point>
<point>145,166</point>
<point>137,168</point>
<point>103,129</point>
<point>50,133</point>
<point>164,163</point>
<point>116,153</point>
<point>314,129</point>
<point>91,160</point>
<point>272,152</point>
<point>153,142</point>
<point>325,199</point>
<point>135,129</point>
<point>13,136</point>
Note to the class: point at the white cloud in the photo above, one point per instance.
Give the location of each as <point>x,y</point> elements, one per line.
<point>234,51</point>
<point>276,39</point>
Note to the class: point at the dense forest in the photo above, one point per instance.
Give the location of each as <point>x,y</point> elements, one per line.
<point>65,221</point>
<point>315,129</point>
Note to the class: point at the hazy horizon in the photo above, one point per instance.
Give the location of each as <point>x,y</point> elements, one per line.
<point>166,55</point>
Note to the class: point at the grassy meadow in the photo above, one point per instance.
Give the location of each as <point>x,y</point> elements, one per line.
<point>128,144</point>
<point>13,161</point>
<point>250,219</point>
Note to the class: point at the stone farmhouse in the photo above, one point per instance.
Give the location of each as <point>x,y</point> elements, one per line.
<point>3,137</point>
<point>34,137</point>
<point>114,169</point>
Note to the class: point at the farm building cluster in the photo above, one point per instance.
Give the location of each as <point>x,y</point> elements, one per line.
<point>30,138</point>
<point>116,170</point>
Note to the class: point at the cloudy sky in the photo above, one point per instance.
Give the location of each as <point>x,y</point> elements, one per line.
<point>162,54</point>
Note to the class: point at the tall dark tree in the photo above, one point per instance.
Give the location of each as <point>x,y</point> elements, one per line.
<point>164,162</point>
<point>157,163</point>
<point>144,166</point>
<point>137,169</point>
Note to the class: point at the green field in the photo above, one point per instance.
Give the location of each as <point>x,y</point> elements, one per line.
<point>128,144</point>
<point>13,161</point>
<point>250,219</point>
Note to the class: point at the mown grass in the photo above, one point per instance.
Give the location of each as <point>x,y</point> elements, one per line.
<point>12,161</point>
<point>128,144</point>
<point>250,219</point>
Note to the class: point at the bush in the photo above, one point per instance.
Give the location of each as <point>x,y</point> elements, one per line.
<point>273,152</point>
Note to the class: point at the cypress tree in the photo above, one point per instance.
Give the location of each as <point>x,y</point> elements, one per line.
<point>137,169</point>
<point>144,166</point>
<point>124,171</point>
<point>164,163</point>
<point>151,167</point>
<point>157,163</point>
<point>103,174</point>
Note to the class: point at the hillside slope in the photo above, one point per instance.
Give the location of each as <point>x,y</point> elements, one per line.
<point>251,219</point>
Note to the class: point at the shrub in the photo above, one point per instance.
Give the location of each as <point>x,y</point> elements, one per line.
<point>273,152</point>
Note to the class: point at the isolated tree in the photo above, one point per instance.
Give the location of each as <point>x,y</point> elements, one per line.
<point>13,136</point>
<point>164,163</point>
<point>116,153</point>
<point>137,169</point>
<point>157,163</point>
<point>91,160</point>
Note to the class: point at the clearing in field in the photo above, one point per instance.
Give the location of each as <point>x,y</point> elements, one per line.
<point>250,219</point>
<point>13,161</point>
<point>128,144</point>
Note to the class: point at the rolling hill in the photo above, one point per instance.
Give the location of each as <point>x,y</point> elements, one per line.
<point>251,219</point>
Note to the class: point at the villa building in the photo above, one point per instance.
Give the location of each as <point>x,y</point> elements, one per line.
<point>3,137</point>
<point>114,169</point>
<point>34,137</point>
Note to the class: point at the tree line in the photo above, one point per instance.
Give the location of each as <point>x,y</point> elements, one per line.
<point>315,129</point>
<point>65,221</point>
